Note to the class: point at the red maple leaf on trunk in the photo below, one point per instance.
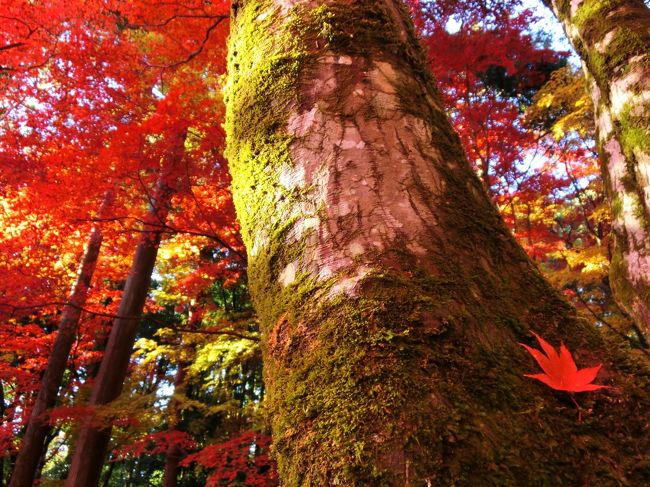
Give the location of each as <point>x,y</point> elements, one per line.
<point>561,372</point>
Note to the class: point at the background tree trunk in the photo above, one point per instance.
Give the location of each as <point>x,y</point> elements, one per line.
<point>2,415</point>
<point>391,295</point>
<point>32,445</point>
<point>90,447</point>
<point>174,454</point>
<point>613,40</point>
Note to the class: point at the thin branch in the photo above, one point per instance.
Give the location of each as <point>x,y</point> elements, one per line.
<point>213,331</point>
<point>11,46</point>
<point>639,344</point>
<point>194,53</point>
<point>15,308</point>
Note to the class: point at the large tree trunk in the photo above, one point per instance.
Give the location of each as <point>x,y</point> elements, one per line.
<point>391,294</point>
<point>92,443</point>
<point>32,446</point>
<point>613,40</point>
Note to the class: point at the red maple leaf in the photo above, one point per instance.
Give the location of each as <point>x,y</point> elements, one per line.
<point>561,372</point>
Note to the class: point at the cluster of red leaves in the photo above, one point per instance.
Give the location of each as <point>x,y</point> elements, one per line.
<point>242,460</point>
<point>156,444</point>
<point>488,66</point>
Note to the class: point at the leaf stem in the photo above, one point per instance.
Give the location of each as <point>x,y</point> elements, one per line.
<point>577,406</point>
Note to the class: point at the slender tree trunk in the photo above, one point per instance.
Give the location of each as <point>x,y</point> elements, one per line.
<point>92,443</point>
<point>174,453</point>
<point>108,474</point>
<point>37,430</point>
<point>43,458</point>
<point>391,294</point>
<point>613,40</point>
<point>172,458</point>
<point>2,415</point>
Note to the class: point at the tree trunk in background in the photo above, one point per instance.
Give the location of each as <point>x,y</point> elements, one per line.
<point>2,415</point>
<point>90,447</point>
<point>613,40</point>
<point>174,453</point>
<point>391,294</point>
<point>32,446</point>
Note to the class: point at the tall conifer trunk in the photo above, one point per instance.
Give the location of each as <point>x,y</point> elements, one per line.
<point>391,294</point>
<point>613,40</point>
<point>92,442</point>
<point>33,442</point>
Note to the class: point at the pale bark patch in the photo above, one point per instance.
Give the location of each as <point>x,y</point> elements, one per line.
<point>637,258</point>
<point>603,45</point>
<point>288,274</point>
<point>350,211</point>
<point>260,242</point>
<point>638,265</point>
<point>575,5</point>
<point>629,91</point>
<point>292,177</point>
<point>348,285</point>
<point>616,165</point>
<point>299,123</point>
<point>643,170</point>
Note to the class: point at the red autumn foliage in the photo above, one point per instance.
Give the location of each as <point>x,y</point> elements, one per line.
<point>156,444</point>
<point>242,460</point>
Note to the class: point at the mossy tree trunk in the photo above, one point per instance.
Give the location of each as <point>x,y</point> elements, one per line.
<point>613,40</point>
<point>391,294</point>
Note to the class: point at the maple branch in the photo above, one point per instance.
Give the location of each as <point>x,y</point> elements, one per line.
<point>11,46</point>
<point>166,228</point>
<point>211,236</point>
<point>208,331</point>
<point>194,53</point>
<point>213,331</point>
<point>29,67</point>
<point>641,344</point>
<point>164,23</point>
<point>198,204</point>
<point>15,308</point>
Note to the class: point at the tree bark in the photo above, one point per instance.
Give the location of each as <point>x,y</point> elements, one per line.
<point>92,443</point>
<point>2,415</point>
<point>32,446</point>
<point>175,453</point>
<point>390,292</point>
<point>613,40</point>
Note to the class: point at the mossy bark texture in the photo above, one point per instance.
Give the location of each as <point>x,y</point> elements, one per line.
<point>613,39</point>
<point>392,297</point>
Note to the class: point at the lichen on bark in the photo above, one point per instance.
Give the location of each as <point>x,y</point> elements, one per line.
<point>391,294</point>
